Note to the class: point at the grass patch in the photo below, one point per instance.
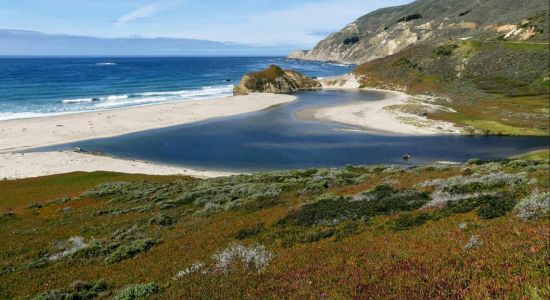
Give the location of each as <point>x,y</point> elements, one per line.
<point>543,155</point>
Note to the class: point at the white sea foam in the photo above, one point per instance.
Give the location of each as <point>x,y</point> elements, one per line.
<point>23,115</point>
<point>119,101</point>
<point>116,97</point>
<point>106,64</point>
<point>81,100</point>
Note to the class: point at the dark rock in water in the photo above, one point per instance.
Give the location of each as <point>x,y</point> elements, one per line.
<point>96,99</point>
<point>228,80</point>
<point>407,156</point>
<point>275,80</point>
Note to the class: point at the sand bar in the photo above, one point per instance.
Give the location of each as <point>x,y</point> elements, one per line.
<point>377,116</point>
<point>25,134</point>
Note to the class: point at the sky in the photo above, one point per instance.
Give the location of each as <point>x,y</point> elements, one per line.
<point>287,23</point>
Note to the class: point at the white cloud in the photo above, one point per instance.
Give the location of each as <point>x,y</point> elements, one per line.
<point>143,12</point>
<point>299,25</point>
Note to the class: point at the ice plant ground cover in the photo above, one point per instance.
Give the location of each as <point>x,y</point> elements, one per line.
<point>354,232</point>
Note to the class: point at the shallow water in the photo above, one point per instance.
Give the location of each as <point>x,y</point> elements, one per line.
<point>273,139</point>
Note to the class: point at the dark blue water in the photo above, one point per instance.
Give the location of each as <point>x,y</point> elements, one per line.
<point>274,139</point>
<point>39,86</point>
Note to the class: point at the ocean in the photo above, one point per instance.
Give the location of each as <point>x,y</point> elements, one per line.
<point>32,87</point>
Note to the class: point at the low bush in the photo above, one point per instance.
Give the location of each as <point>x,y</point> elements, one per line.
<point>249,232</point>
<point>162,220</point>
<point>138,291</point>
<point>332,210</point>
<point>533,207</point>
<point>252,258</point>
<point>130,249</point>
<point>408,220</point>
<point>80,290</point>
<point>490,206</point>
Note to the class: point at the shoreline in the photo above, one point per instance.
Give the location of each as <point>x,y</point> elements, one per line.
<point>395,114</point>
<point>36,164</point>
<point>31,133</point>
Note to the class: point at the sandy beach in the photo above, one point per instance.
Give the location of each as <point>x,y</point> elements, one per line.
<point>387,115</point>
<point>25,134</point>
<point>381,116</point>
<point>35,164</point>
<point>22,134</point>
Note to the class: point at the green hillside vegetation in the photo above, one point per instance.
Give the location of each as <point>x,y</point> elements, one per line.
<point>473,231</point>
<point>496,86</point>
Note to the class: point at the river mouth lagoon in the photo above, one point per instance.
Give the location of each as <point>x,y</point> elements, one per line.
<point>275,139</point>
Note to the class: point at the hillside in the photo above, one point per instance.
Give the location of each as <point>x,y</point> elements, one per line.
<point>390,30</point>
<point>474,231</point>
<point>497,87</point>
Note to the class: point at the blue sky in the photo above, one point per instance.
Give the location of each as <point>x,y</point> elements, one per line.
<point>296,23</point>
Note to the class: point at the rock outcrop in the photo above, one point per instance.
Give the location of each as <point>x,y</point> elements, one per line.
<point>275,80</point>
<point>390,30</point>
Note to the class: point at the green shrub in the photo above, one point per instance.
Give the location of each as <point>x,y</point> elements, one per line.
<point>138,291</point>
<point>162,220</point>
<point>249,232</point>
<point>408,220</point>
<point>125,251</point>
<point>80,290</point>
<point>328,211</point>
<point>331,209</point>
<point>495,206</point>
<point>490,206</point>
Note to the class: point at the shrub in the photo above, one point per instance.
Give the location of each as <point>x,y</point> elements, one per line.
<point>122,244</point>
<point>332,210</point>
<point>473,243</point>
<point>490,206</point>
<point>329,210</point>
<point>162,220</point>
<point>407,221</point>
<point>191,269</point>
<point>445,50</point>
<point>7,217</point>
<point>461,188</point>
<point>533,207</point>
<point>69,247</point>
<point>495,206</point>
<point>81,290</point>
<point>249,232</point>
<point>252,258</point>
<point>138,291</point>
<point>125,251</point>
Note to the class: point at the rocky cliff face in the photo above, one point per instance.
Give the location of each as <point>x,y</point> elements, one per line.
<point>275,80</point>
<point>388,31</point>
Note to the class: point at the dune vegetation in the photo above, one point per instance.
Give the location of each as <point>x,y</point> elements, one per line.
<point>436,231</point>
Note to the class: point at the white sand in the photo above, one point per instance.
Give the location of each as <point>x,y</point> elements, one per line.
<point>21,134</point>
<point>25,134</point>
<point>34,164</point>
<point>377,116</point>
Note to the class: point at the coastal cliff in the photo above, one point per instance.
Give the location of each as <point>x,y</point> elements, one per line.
<point>275,80</point>
<point>390,30</point>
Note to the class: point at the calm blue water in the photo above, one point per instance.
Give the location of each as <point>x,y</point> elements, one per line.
<point>274,139</point>
<point>39,86</point>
